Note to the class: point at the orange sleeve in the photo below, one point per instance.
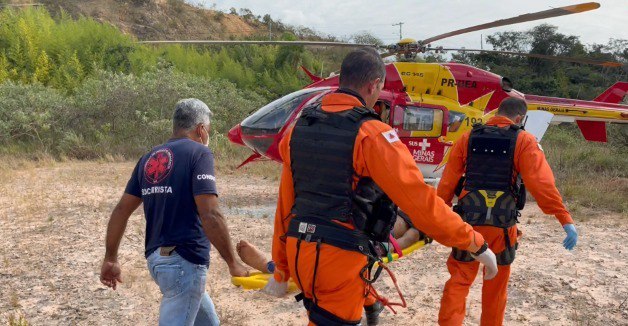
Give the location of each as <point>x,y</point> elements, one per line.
<point>282,214</point>
<point>538,177</point>
<point>454,169</point>
<point>390,164</point>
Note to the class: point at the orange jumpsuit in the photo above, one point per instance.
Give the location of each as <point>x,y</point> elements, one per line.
<point>338,288</point>
<point>537,175</point>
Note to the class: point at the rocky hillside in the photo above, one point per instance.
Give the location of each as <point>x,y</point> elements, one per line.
<point>157,19</point>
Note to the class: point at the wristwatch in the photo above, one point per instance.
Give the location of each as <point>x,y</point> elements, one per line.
<point>271,266</point>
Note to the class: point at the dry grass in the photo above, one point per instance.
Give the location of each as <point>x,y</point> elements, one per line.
<point>267,169</point>
<point>84,193</point>
<point>18,320</point>
<point>13,163</point>
<point>14,300</point>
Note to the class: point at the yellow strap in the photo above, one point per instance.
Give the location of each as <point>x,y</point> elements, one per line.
<point>490,197</point>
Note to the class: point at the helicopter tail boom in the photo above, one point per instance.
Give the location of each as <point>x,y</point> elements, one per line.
<point>591,116</point>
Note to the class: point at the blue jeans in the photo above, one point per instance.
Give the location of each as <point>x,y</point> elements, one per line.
<point>182,285</point>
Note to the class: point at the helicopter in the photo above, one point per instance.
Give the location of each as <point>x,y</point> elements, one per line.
<point>430,105</point>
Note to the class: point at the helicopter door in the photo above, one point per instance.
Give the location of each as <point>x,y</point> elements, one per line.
<point>419,128</point>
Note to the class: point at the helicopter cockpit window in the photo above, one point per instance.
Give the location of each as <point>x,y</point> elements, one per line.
<point>455,121</point>
<point>274,115</point>
<point>420,119</point>
<point>413,121</point>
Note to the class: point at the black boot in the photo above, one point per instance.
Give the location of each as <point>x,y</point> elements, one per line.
<point>372,313</point>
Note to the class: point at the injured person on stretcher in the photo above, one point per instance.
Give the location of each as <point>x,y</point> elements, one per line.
<point>404,233</point>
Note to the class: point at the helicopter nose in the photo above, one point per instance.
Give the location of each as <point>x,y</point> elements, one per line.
<point>257,140</point>
<point>235,135</point>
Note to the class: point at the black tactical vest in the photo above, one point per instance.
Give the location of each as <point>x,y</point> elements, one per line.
<point>495,191</point>
<point>321,152</point>
<point>490,179</point>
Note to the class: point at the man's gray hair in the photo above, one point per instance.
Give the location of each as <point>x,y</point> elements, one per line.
<point>189,112</point>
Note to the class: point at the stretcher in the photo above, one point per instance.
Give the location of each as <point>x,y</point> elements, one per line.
<point>258,280</point>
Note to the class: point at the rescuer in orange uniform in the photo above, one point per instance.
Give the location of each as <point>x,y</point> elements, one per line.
<point>494,158</point>
<point>339,163</point>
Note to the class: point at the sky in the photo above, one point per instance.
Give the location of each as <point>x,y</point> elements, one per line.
<point>426,18</point>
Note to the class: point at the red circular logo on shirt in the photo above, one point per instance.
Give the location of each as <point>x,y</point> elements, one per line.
<point>158,165</point>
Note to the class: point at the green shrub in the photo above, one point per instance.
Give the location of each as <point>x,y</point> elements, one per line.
<point>113,113</point>
<point>30,116</point>
<point>36,48</point>
<point>589,174</point>
<point>62,52</point>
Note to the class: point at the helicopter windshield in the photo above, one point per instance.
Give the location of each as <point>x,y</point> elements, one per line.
<point>273,116</point>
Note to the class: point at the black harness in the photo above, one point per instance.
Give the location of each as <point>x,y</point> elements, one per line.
<point>495,190</point>
<point>321,152</point>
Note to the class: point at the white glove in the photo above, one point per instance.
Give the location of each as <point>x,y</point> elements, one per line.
<point>487,258</point>
<point>277,289</point>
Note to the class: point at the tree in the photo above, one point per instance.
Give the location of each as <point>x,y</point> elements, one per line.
<point>247,14</point>
<point>4,69</point>
<point>510,41</point>
<point>290,56</point>
<point>70,73</point>
<point>615,49</point>
<point>547,77</point>
<point>219,15</point>
<point>43,68</point>
<point>365,37</point>
<point>266,19</point>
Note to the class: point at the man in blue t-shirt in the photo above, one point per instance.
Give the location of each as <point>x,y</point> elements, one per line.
<point>177,184</point>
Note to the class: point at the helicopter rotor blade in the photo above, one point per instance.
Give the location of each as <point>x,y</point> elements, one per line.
<point>222,42</point>
<point>594,62</point>
<point>387,54</point>
<point>554,12</point>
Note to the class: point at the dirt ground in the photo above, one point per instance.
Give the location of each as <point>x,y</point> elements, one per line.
<point>52,227</point>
